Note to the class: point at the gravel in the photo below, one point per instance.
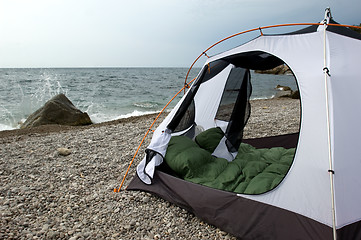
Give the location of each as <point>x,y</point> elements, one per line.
<point>57,182</point>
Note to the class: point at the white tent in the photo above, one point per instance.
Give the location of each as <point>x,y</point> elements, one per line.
<point>320,197</point>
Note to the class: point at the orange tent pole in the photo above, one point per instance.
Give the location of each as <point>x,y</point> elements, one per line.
<point>259,29</point>
<point>146,134</point>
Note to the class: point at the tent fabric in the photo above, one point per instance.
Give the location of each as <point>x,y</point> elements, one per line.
<point>154,157</point>
<point>310,77</point>
<point>328,137</point>
<point>239,216</point>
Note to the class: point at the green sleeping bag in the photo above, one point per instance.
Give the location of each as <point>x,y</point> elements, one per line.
<point>253,171</point>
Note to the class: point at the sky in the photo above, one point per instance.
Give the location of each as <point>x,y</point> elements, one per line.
<point>142,33</point>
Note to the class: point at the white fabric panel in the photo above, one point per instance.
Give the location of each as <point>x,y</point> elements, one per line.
<point>221,151</point>
<point>222,124</point>
<point>306,188</point>
<point>149,168</point>
<point>346,86</point>
<point>158,144</point>
<point>160,141</point>
<point>208,98</point>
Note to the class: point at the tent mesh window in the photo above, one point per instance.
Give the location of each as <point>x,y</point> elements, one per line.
<point>234,106</point>
<point>184,118</point>
<point>187,119</point>
<point>213,68</point>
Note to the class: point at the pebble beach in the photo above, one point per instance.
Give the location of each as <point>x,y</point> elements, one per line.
<point>49,194</point>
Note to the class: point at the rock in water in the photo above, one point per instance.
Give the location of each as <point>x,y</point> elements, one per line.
<point>283,88</point>
<point>282,94</point>
<point>281,69</point>
<point>58,110</point>
<point>295,95</point>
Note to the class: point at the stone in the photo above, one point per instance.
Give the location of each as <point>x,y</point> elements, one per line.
<point>127,227</point>
<point>283,88</point>
<point>58,110</point>
<point>145,199</point>
<point>281,94</point>
<point>295,95</point>
<point>64,151</point>
<point>132,223</point>
<point>52,234</point>
<point>288,94</point>
<point>45,228</point>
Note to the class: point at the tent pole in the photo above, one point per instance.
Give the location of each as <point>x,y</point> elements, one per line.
<point>260,29</point>
<point>146,134</point>
<point>330,171</point>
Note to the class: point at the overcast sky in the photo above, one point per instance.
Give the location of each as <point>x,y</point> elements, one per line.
<point>141,33</point>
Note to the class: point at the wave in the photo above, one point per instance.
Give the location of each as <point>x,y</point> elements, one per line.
<point>146,105</point>
<point>262,98</point>
<point>105,94</point>
<point>100,117</point>
<point>136,113</point>
<point>4,127</point>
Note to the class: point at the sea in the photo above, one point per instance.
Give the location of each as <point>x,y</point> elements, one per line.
<point>106,94</point>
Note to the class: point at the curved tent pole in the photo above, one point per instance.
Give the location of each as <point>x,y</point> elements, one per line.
<point>260,29</point>
<point>146,134</point>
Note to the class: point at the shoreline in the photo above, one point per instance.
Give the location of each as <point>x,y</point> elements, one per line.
<point>53,128</point>
<point>45,195</point>
<point>122,117</point>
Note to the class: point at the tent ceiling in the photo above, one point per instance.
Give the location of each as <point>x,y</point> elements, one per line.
<point>256,60</point>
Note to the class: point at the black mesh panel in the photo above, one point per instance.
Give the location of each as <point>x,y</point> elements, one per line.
<point>257,60</point>
<point>235,107</point>
<point>188,118</point>
<point>213,69</point>
<point>184,118</point>
<point>230,94</point>
<point>183,109</point>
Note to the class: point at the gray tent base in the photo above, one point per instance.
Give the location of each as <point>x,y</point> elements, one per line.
<point>241,217</point>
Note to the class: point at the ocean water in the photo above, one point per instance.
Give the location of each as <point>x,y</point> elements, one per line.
<point>104,93</point>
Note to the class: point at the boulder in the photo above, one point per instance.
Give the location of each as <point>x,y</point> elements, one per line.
<point>281,69</point>
<point>58,110</point>
<point>283,94</point>
<point>295,95</point>
<point>288,94</point>
<point>283,88</point>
